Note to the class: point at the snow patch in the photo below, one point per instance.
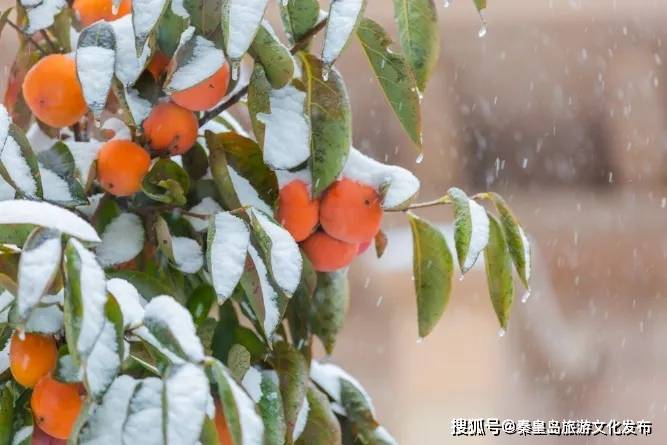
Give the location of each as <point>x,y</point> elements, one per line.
<point>252,383</point>
<point>242,23</point>
<point>46,215</point>
<point>41,14</point>
<point>229,238</point>
<point>122,240</point>
<point>103,363</point>
<point>301,419</point>
<point>343,17</point>
<point>128,66</point>
<point>186,397</point>
<point>252,427</point>
<point>479,236</point>
<point>38,264</point>
<point>188,255</point>
<point>145,15</point>
<point>246,193</point>
<point>206,207</point>
<point>95,69</point>
<point>287,129</point>
<point>328,377</point>
<point>269,296</point>
<point>130,302</point>
<point>55,188</point>
<point>144,421</point>
<point>139,107</point>
<point>45,320</point>
<point>17,167</point>
<point>196,59</point>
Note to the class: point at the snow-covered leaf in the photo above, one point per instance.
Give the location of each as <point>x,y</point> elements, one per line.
<point>330,121</point>
<point>361,416</point>
<point>58,170</point>
<point>137,107</point>
<point>18,164</point>
<point>471,228</point>
<point>344,15</point>
<point>206,207</point>
<point>103,363</point>
<point>329,377</point>
<point>46,215</point>
<point>5,121</point>
<point>517,241</point>
<point>186,394</point>
<point>281,252</point>
<point>144,420</point>
<point>292,370</point>
<point>286,128</point>
<point>432,270</point>
<point>122,240</point>
<point>85,300</point>
<point>397,185</point>
<point>241,20</point>
<point>188,255</point>
<point>66,370</point>
<point>195,60</point>
<point>273,55</point>
<point>322,426</point>
<point>128,66</point>
<point>498,263</point>
<point>263,388</point>
<point>41,13</point>
<point>45,320</point>
<point>419,34</point>
<point>299,17</point>
<point>330,302</point>
<point>228,241</point>
<point>128,298</point>
<point>39,264</point>
<point>395,77</point>
<point>171,324</point>
<point>145,16</point>
<point>105,425</point>
<point>95,62</point>
<point>243,422</point>
<point>259,103</point>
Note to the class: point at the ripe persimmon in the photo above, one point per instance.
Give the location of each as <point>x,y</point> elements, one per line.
<point>32,358</point>
<point>90,11</point>
<point>297,211</point>
<point>224,436</point>
<point>327,253</point>
<point>205,94</point>
<point>55,406</point>
<point>171,127</point>
<point>121,166</point>
<point>52,91</point>
<point>157,64</point>
<point>351,211</point>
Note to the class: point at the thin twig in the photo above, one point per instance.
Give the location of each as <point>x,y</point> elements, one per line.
<point>52,45</point>
<point>421,205</point>
<point>298,46</point>
<point>27,37</point>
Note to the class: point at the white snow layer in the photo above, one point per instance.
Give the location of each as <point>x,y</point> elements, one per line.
<point>46,215</point>
<point>130,302</point>
<point>287,129</point>
<point>186,396</point>
<point>479,235</point>
<point>17,167</point>
<point>243,21</point>
<point>525,243</point>
<point>229,238</point>
<point>285,259</point>
<point>6,190</point>
<point>269,296</point>
<point>144,421</point>
<point>252,427</point>
<point>328,377</point>
<point>55,188</point>
<point>122,240</point>
<point>206,207</point>
<point>246,193</point>
<point>203,62</point>
<point>188,254</point>
<point>45,320</point>
<point>21,435</point>
<point>343,17</point>
<point>103,363</point>
<point>145,15</point>
<point>252,383</point>
<point>285,177</point>
<point>301,419</point>
<point>37,266</point>
<point>105,426</point>
<point>41,14</point>
<point>165,312</point>
<point>4,358</point>
<point>95,69</point>
<point>94,297</point>
<point>139,107</point>
<point>399,184</point>
<point>128,66</point>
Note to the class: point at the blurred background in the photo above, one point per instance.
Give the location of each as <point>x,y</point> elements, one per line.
<point>561,108</point>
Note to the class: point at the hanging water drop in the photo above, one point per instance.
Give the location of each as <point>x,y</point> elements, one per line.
<point>285,2</point>
<point>236,66</point>
<point>461,277</point>
<point>526,296</point>
<point>325,72</point>
<point>420,339</point>
<point>501,332</point>
<point>447,3</point>
<point>420,158</point>
<point>482,29</point>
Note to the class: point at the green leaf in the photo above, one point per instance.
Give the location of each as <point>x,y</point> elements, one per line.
<point>15,233</point>
<point>359,413</point>
<point>298,310</point>
<point>471,228</point>
<point>195,162</point>
<point>299,17</point>
<point>200,302</point>
<point>419,35</point>
<point>9,267</point>
<point>292,370</point>
<point>19,148</point>
<point>3,21</point>
<point>60,161</point>
<point>206,17</point>
<point>169,30</point>
<point>499,272</point>
<point>220,172</point>
<point>6,415</point>
<point>259,90</point>
<point>62,24</point>
<point>517,241</point>
<point>322,426</point>
<point>432,268</point>
<point>167,182</point>
<point>209,433</point>
<point>329,306</point>
<point>271,409</point>
<point>331,122</point>
<point>395,77</point>
<point>480,4</point>
<point>274,57</point>
<point>238,361</point>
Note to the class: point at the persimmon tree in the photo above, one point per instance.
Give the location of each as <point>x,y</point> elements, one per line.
<point>165,272</point>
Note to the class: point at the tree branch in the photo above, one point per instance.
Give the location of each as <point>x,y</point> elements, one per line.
<point>27,36</point>
<point>298,46</point>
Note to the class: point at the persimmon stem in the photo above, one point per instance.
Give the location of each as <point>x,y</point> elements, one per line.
<point>234,99</point>
<point>421,205</point>
<point>27,36</point>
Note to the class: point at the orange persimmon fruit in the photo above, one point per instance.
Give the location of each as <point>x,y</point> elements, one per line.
<point>55,406</point>
<point>32,357</point>
<point>90,11</point>
<point>171,127</point>
<point>205,94</point>
<point>121,166</point>
<point>327,253</point>
<point>297,211</point>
